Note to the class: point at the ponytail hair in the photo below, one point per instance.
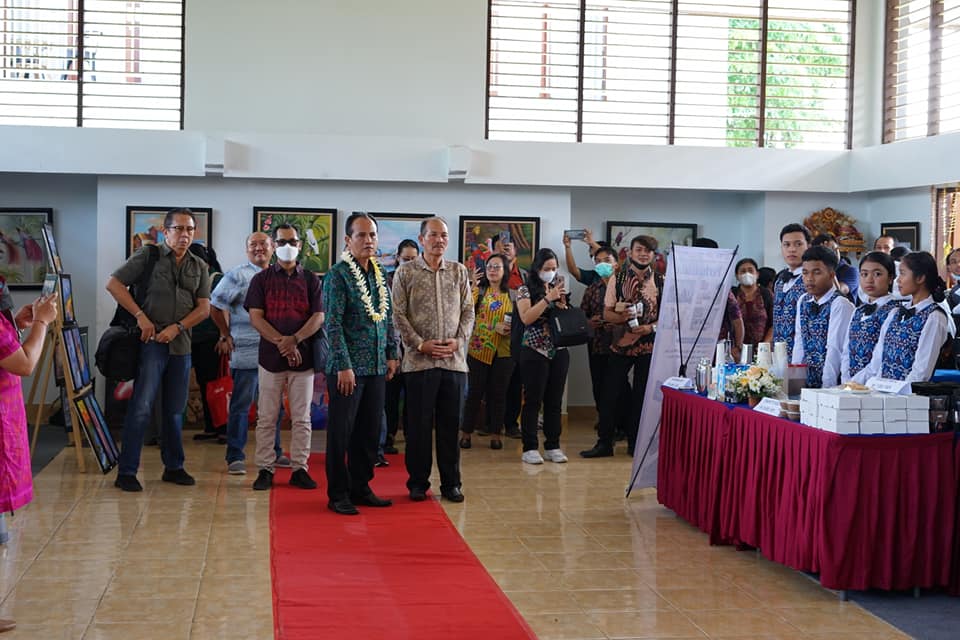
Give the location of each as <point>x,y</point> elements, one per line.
<point>923,264</point>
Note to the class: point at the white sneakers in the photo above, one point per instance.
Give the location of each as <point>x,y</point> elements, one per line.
<point>532,457</point>
<point>553,455</point>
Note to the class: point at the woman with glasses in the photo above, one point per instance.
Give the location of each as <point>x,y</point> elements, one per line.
<point>488,352</point>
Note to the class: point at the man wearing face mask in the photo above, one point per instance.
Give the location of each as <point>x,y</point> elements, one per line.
<point>631,306</point>
<point>285,308</point>
<point>433,310</point>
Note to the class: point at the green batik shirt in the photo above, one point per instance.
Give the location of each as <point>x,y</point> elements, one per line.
<point>356,341</point>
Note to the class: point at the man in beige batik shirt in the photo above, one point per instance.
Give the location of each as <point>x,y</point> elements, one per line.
<point>433,310</point>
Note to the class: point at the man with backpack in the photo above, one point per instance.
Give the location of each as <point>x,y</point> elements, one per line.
<point>285,308</point>
<point>177,298</point>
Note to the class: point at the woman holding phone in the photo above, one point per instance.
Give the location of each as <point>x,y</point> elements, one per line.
<point>17,361</point>
<point>543,366</point>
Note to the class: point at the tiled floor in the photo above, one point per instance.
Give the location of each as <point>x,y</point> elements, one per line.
<point>87,561</point>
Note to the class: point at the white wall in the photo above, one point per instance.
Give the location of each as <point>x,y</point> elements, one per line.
<point>413,68</point>
<point>74,203</point>
<point>904,205</point>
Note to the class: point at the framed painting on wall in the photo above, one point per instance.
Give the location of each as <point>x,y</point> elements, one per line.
<point>904,234</point>
<point>316,228</point>
<point>619,235</point>
<point>478,233</point>
<point>23,256</point>
<point>145,226</point>
<point>394,228</point>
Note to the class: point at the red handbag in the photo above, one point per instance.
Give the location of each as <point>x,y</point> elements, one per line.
<point>218,394</point>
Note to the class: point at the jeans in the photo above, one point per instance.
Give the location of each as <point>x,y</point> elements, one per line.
<point>238,425</point>
<point>543,383</point>
<point>156,366</point>
<point>435,397</point>
<point>353,429</point>
<point>488,381</point>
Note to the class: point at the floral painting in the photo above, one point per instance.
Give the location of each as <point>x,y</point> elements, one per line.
<point>316,228</point>
<point>23,257</point>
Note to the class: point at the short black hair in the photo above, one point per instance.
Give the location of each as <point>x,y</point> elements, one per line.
<point>793,227</point>
<point>766,275</point>
<point>357,215</point>
<point>181,211</point>
<point>897,253</point>
<point>824,238</point>
<point>607,249</point>
<point>744,261</point>
<point>407,243</point>
<point>284,225</point>
<point>706,243</point>
<point>822,254</point>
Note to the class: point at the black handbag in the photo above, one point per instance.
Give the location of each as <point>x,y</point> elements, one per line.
<point>569,327</point>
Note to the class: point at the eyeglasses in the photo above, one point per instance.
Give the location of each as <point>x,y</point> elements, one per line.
<point>182,229</point>
<point>494,267</point>
<point>283,242</point>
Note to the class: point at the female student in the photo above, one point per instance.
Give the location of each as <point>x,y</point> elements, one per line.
<point>912,336</point>
<point>877,273</point>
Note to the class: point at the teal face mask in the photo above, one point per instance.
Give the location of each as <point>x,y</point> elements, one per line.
<point>603,269</point>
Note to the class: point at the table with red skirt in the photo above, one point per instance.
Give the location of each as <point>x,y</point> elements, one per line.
<point>862,511</point>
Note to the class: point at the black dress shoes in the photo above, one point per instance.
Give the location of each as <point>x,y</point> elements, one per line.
<point>300,478</point>
<point>418,495</point>
<point>343,506</point>
<point>178,476</point>
<point>496,444</point>
<point>598,451</point>
<point>465,443</point>
<point>372,500</point>
<point>127,483</point>
<point>453,495</point>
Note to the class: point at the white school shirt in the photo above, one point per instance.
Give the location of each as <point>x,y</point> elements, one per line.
<point>845,355</point>
<point>841,311</point>
<point>932,336</point>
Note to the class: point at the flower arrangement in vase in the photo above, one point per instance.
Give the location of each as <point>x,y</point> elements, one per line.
<point>756,383</point>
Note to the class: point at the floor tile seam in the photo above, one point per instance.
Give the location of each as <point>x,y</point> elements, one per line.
<point>221,492</point>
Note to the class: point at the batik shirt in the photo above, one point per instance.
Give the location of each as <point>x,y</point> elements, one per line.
<point>820,328</point>
<point>786,293</point>
<point>356,341</point>
<point>592,305</point>
<point>492,306</point>
<point>632,287</point>
<point>909,344</point>
<point>863,335</point>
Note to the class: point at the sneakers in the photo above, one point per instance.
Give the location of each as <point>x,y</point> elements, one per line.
<point>300,478</point>
<point>264,480</point>
<point>283,462</point>
<point>237,468</point>
<point>127,483</point>
<point>554,455</point>
<point>381,461</point>
<point>178,476</point>
<point>532,457</point>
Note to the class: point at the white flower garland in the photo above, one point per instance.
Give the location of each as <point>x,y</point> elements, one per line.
<point>361,282</point>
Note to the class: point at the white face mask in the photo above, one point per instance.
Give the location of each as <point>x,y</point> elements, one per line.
<point>287,253</point>
<point>548,276</point>
<point>748,279</point>
<point>955,277</point>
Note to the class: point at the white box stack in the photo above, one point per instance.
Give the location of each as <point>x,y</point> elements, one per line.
<point>848,413</point>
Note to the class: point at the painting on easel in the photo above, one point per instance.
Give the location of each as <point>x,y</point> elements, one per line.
<point>79,369</point>
<point>94,427</point>
<point>23,261</point>
<point>66,299</point>
<point>53,255</point>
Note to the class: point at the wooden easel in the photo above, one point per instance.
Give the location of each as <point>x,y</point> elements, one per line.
<point>53,347</point>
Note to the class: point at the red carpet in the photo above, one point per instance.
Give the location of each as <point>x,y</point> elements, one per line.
<point>399,572</point>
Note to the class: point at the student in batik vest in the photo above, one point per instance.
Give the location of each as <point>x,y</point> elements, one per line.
<point>823,315</point>
<point>794,240</point>
<point>877,273</point>
<point>911,338</point>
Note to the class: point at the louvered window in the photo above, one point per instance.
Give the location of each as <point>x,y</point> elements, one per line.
<point>922,83</point>
<point>713,72</point>
<point>130,53</point>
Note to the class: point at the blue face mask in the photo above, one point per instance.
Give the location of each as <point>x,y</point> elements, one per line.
<point>603,269</point>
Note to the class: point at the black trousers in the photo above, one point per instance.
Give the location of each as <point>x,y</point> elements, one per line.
<point>434,398</point>
<point>353,435</point>
<point>598,370</point>
<point>490,382</point>
<point>513,402</point>
<point>395,391</point>
<point>614,410</point>
<point>543,383</point>
<point>206,364</point>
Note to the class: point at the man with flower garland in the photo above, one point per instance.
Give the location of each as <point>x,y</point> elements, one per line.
<point>364,354</point>
<point>434,314</point>
<point>285,308</point>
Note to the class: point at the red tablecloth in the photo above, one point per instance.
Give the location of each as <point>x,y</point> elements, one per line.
<point>865,512</point>
<point>688,469</point>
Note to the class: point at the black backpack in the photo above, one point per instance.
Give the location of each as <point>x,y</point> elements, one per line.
<point>118,351</point>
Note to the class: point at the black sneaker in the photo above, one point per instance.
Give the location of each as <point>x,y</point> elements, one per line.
<point>300,478</point>
<point>264,480</point>
<point>514,432</point>
<point>127,483</point>
<point>178,476</point>
<point>381,461</point>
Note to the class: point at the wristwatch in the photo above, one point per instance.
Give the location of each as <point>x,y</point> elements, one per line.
<point>182,328</point>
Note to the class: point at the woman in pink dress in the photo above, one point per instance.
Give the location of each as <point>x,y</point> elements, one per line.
<point>16,361</point>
